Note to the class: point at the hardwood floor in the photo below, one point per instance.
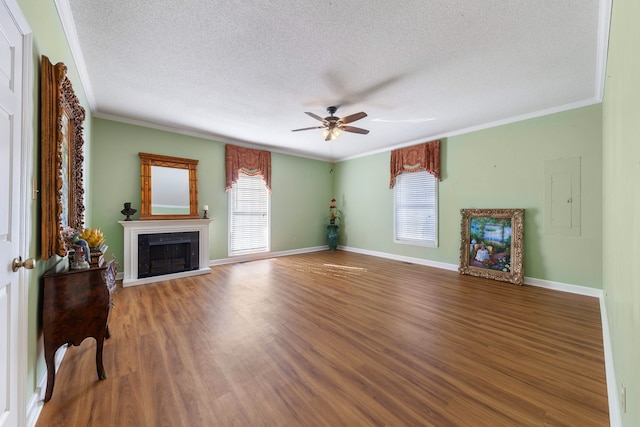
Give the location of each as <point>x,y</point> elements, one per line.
<point>338,339</point>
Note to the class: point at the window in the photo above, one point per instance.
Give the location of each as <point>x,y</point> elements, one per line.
<point>416,209</point>
<point>249,225</point>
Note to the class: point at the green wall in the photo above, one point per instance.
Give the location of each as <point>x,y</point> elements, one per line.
<point>502,167</point>
<point>301,188</point>
<point>621,218</point>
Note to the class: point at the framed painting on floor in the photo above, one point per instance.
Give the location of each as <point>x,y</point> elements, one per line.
<point>491,244</point>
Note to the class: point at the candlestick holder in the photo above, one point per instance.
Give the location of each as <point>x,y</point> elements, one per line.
<point>205,216</point>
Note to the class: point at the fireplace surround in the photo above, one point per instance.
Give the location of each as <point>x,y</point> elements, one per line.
<point>178,245</point>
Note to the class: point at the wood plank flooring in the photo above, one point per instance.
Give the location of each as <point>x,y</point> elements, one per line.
<point>338,339</point>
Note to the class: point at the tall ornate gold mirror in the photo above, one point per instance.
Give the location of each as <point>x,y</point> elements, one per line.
<point>62,188</point>
<point>169,187</point>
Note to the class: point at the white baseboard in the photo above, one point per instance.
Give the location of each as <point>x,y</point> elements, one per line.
<point>264,255</point>
<point>564,287</point>
<point>36,402</point>
<point>615,418</point>
<point>402,258</point>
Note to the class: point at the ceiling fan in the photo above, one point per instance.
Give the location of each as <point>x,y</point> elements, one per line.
<point>333,126</point>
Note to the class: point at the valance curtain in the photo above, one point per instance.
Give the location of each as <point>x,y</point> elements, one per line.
<point>421,157</point>
<point>248,161</point>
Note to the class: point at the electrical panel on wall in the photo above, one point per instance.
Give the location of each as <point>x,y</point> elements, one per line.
<point>562,196</point>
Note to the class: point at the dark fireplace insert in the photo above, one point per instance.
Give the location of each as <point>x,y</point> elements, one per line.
<point>166,253</point>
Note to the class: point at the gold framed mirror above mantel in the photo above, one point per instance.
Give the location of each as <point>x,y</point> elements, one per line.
<point>62,158</point>
<point>169,187</point>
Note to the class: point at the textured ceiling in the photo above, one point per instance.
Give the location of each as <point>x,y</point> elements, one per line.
<point>246,71</point>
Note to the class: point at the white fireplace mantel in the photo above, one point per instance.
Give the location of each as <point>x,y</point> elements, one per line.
<point>134,228</point>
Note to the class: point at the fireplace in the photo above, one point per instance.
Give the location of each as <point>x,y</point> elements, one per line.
<point>169,249</point>
<point>166,253</point>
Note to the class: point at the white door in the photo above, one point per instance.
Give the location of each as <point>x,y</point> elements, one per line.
<point>12,211</point>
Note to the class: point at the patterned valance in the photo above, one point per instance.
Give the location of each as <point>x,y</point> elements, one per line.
<point>248,161</point>
<point>421,157</point>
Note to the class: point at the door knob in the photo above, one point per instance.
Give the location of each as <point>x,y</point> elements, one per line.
<point>28,263</point>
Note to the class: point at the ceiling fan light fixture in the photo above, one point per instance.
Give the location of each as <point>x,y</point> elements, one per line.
<point>332,126</point>
<point>333,134</point>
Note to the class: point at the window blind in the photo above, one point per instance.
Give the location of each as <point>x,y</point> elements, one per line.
<point>416,209</point>
<point>249,225</point>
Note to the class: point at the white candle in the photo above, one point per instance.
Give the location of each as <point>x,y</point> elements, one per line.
<point>205,207</point>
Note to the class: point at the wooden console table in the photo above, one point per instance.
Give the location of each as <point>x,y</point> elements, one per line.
<point>75,306</point>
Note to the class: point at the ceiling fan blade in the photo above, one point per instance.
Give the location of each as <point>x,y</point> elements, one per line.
<point>314,127</point>
<point>353,117</point>
<point>354,129</point>
<point>315,116</point>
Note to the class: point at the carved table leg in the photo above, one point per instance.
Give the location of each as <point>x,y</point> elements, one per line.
<point>99,344</point>
<point>49,357</point>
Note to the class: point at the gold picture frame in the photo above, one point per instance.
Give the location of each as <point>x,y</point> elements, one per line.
<point>491,244</point>
<point>62,158</point>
